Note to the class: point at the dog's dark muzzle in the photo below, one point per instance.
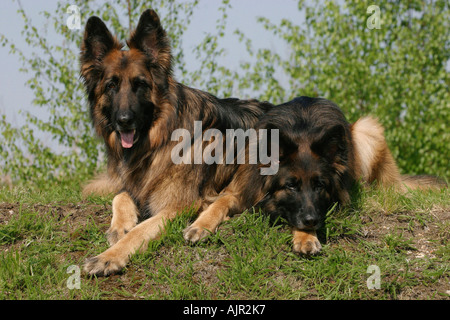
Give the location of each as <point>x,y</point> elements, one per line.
<point>126,126</point>
<point>126,120</point>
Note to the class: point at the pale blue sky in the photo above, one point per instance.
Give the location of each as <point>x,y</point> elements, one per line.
<point>14,95</point>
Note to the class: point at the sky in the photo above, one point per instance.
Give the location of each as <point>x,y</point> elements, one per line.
<point>14,95</point>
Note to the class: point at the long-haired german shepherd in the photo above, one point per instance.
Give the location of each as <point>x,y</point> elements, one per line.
<point>135,105</point>
<point>321,157</point>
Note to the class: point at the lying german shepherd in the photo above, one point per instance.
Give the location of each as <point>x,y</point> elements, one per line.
<point>321,157</point>
<point>135,106</point>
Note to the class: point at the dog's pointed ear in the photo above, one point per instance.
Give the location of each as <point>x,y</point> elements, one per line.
<point>287,145</point>
<point>331,144</point>
<point>150,38</point>
<point>97,41</point>
<point>282,141</point>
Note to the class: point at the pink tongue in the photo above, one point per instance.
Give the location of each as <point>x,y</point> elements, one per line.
<point>127,139</point>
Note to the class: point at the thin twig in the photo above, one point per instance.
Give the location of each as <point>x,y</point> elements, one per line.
<point>129,16</point>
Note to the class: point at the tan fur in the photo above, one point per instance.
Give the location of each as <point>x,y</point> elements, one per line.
<point>422,182</point>
<point>125,217</point>
<point>101,185</point>
<point>209,220</point>
<point>305,242</point>
<point>373,159</point>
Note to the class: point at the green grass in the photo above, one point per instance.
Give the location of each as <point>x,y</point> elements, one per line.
<point>43,233</point>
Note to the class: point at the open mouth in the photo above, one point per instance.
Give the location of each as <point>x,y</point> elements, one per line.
<point>127,138</point>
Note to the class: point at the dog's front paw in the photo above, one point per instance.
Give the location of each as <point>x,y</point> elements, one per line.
<point>308,247</point>
<point>105,264</point>
<point>306,242</point>
<point>195,233</point>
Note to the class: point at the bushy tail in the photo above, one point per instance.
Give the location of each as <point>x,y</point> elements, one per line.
<point>101,185</point>
<point>374,161</point>
<point>423,182</point>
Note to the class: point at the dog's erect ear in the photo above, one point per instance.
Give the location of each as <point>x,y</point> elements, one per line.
<point>151,38</point>
<point>288,146</point>
<point>97,42</point>
<point>285,144</point>
<point>331,144</point>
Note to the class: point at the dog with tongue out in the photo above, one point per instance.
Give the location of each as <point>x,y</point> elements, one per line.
<point>136,105</point>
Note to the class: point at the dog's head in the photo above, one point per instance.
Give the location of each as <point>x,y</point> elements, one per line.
<point>127,89</point>
<point>313,160</point>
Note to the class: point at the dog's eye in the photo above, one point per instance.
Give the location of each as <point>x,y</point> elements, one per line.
<point>291,186</point>
<point>140,83</point>
<point>319,185</point>
<point>111,85</point>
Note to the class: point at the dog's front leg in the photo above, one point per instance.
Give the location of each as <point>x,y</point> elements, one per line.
<point>115,258</point>
<point>210,219</point>
<point>125,217</point>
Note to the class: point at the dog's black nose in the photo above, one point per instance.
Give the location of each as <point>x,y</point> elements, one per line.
<point>310,221</point>
<point>125,118</point>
